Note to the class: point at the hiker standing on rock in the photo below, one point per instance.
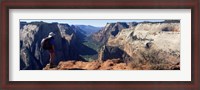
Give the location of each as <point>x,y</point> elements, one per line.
<point>48,44</point>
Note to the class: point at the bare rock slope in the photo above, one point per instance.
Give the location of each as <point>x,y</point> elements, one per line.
<point>114,64</point>
<point>146,44</point>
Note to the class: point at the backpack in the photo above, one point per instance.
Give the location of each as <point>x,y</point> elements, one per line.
<point>46,44</point>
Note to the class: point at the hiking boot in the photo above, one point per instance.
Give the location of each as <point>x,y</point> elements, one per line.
<point>52,65</point>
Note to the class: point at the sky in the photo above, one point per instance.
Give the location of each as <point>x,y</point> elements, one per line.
<point>97,23</point>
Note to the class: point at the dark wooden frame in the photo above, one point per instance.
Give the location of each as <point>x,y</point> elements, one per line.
<point>99,4</point>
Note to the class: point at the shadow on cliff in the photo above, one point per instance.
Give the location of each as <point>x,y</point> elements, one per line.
<point>85,50</point>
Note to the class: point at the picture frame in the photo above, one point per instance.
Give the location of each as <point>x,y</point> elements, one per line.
<point>100,4</point>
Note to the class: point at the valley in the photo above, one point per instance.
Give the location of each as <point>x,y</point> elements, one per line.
<point>116,46</point>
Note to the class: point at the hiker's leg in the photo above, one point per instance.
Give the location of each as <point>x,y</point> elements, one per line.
<point>52,57</point>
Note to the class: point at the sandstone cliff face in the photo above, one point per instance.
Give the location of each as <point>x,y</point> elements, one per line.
<point>33,57</point>
<point>69,35</point>
<point>146,40</point>
<point>150,37</point>
<point>113,52</point>
<point>31,37</point>
<point>110,30</point>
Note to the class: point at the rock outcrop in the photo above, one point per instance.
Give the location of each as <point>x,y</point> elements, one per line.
<point>110,30</point>
<point>111,52</point>
<point>31,37</point>
<point>110,64</point>
<point>33,57</point>
<point>156,37</point>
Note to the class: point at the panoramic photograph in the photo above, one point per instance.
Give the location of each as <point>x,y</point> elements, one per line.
<point>99,44</point>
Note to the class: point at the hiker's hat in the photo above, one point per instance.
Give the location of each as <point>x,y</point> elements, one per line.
<point>51,34</point>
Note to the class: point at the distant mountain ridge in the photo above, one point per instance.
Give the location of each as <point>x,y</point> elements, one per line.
<point>88,29</point>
